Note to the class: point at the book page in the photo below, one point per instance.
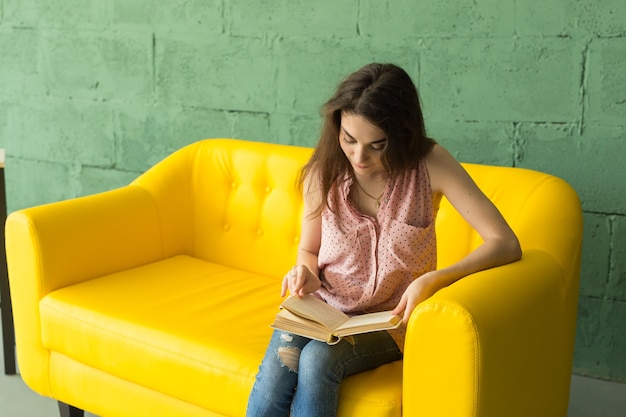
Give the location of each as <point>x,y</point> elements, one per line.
<point>317,310</point>
<point>364,323</point>
<point>292,323</point>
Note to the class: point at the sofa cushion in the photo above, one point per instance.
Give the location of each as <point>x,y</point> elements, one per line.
<point>166,326</point>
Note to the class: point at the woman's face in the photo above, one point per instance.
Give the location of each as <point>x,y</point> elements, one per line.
<point>363,144</point>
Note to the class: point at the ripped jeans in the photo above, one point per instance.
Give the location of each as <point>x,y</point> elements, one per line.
<point>316,369</point>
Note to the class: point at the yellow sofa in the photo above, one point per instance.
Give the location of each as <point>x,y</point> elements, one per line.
<point>155,299</point>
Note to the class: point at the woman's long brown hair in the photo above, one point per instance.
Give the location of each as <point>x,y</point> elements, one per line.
<point>385,95</point>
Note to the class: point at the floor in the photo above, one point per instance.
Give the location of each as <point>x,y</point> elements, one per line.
<point>589,398</point>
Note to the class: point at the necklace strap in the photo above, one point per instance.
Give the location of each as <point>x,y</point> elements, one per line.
<point>369,195</point>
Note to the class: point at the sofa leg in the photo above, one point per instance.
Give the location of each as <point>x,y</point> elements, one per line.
<point>67,410</point>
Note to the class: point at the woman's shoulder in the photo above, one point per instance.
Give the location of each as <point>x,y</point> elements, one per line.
<point>440,157</point>
<point>312,186</point>
<point>438,154</point>
<point>442,167</point>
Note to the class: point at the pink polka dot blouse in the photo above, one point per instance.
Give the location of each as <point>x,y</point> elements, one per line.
<point>367,263</point>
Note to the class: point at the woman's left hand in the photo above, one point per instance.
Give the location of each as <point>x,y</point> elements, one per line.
<point>418,291</point>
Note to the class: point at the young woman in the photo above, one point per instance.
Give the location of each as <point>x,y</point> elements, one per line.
<point>371,193</point>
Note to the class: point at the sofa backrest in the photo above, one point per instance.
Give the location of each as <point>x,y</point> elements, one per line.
<point>248,201</point>
<point>543,210</point>
<point>237,203</point>
<point>234,202</point>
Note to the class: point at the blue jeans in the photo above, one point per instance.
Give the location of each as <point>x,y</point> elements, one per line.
<point>316,369</point>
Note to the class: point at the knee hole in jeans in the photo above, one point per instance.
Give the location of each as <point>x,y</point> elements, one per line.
<point>289,357</point>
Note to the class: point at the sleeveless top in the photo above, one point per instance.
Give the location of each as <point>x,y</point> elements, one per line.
<point>367,263</point>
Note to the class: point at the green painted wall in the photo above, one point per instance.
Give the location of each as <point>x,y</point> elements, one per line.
<point>93,92</point>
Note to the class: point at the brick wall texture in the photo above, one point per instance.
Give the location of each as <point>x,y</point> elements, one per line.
<point>93,92</point>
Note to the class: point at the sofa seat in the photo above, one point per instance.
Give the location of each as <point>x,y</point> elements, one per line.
<point>183,319</point>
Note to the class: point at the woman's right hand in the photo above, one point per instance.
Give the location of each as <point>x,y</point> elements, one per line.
<point>300,281</point>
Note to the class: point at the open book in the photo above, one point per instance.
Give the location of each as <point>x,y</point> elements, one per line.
<point>311,317</point>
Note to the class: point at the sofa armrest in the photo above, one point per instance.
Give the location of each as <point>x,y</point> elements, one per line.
<point>60,244</point>
<point>71,241</point>
<point>500,340</point>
